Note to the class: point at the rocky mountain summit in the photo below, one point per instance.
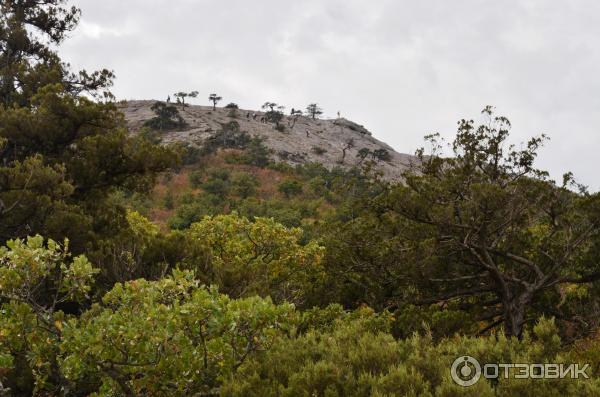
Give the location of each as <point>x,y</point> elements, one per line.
<point>331,142</point>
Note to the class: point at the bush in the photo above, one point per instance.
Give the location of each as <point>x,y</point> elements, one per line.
<point>354,355</point>
<point>167,117</point>
<point>260,257</point>
<point>150,135</point>
<point>196,178</point>
<point>169,201</point>
<point>244,184</point>
<point>216,187</point>
<point>281,211</point>
<point>174,336</point>
<point>290,188</point>
<point>188,153</point>
<point>256,153</point>
<point>228,137</point>
<point>170,337</point>
<point>193,209</point>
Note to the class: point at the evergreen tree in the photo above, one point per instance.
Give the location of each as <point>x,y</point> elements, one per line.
<point>314,110</point>
<point>214,98</point>
<point>61,154</point>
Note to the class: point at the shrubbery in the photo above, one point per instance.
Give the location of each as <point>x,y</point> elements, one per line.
<point>176,337</point>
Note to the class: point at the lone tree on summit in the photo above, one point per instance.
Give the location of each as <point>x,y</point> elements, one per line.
<point>214,98</point>
<point>314,110</point>
<point>182,95</point>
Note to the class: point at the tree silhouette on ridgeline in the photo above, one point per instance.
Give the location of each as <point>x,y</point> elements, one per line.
<point>182,95</point>
<point>314,110</point>
<point>214,98</point>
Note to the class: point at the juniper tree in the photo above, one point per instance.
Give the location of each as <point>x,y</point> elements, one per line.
<point>314,110</point>
<point>348,144</point>
<point>483,230</point>
<point>214,98</point>
<point>274,114</point>
<point>182,95</point>
<point>63,154</point>
<point>167,117</point>
<point>29,30</point>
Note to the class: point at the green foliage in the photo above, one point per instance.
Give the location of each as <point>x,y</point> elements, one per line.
<point>214,98</point>
<point>193,209</point>
<point>244,184</point>
<point>483,229</point>
<point>380,290</point>
<point>168,337</point>
<point>255,153</point>
<point>218,183</point>
<point>182,95</point>
<point>314,110</point>
<point>169,201</point>
<point>260,257</point>
<point>188,153</point>
<point>196,178</point>
<point>35,280</point>
<point>290,187</point>
<point>29,34</point>
<point>228,137</point>
<point>167,117</point>
<point>353,358</point>
<point>284,212</point>
<point>381,155</point>
<point>150,135</point>
<point>274,114</point>
<point>64,154</point>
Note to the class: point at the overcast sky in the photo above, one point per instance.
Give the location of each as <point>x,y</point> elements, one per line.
<point>402,68</point>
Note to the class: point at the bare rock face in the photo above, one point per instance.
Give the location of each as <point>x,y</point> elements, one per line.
<point>351,125</point>
<point>303,140</point>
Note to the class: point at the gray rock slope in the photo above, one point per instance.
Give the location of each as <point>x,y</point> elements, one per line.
<point>306,140</point>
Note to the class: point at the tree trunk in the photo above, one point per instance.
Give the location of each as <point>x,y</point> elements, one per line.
<point>514,314</point>
<point>513,322</point>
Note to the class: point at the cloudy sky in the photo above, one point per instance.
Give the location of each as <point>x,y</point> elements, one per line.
<point>401,68</point>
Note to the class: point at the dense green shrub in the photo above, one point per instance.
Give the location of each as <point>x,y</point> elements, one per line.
<point>256,153</point>
<point>196,178</point>
<point>167,117</point>
<point>257,257</point>
<point>228,137</point>
<point>244,184</point>
<point>290,187</point>
<point>193,209</point>
<point>282,212</point>
<point>354,356</point>
<point>176,337</point>
<point>187,339</point>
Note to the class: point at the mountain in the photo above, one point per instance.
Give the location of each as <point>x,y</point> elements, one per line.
<point>306,140</point>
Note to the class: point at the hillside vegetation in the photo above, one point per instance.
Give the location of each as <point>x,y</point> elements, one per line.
<point>157,249</point>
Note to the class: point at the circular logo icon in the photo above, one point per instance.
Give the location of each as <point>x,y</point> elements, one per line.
<point>465,371</point>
